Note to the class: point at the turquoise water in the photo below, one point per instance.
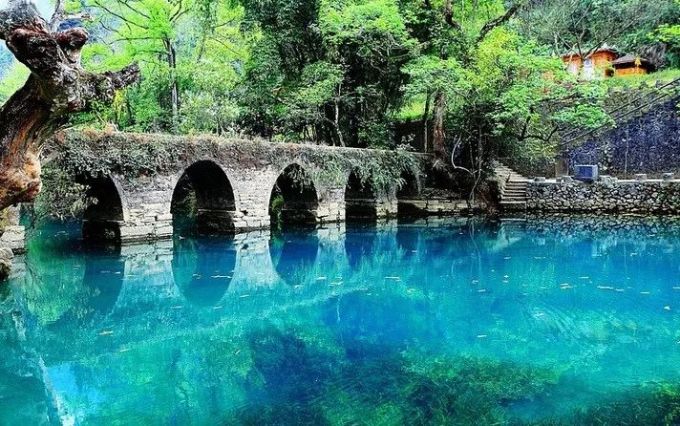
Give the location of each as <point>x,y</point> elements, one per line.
<point>560,321</point>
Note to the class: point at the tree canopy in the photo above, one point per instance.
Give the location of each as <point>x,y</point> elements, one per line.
<point>472,73</point>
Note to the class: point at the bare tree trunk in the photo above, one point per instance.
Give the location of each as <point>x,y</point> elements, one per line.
<point>336,122</point>
<point>439,136</point>
<point>57,87</point>
<point>426,123</point>
<point>174,86</point>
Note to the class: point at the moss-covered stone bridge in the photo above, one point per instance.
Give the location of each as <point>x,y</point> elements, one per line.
<point>142,184</point>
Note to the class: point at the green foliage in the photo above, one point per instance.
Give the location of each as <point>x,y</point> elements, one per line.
<point>583,25</point>
<point>346,72</point>
<point>12,80</point>
<point>99,154</point>
<point>61,197</point>
<point>190,54</point>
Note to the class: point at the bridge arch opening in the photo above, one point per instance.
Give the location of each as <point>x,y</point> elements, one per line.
<point>361,202</point>
<point>203,201</point>
<point>294,200</point>
<point>104,214</point>
<point>408,196</point>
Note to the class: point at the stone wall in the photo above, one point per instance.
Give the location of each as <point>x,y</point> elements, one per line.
<point>647,197</point>
<point>13,234</point>
<point>647,144</point>
<point>12,240</point>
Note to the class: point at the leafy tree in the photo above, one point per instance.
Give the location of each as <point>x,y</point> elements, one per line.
<point>342,60</point>
<point>189,51</point>
<point>584,26</point>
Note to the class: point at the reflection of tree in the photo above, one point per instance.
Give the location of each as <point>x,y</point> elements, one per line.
<point>63,278</point>
<point>22,393</point>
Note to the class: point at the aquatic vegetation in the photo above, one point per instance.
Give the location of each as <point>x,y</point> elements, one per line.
<point>458,322</point>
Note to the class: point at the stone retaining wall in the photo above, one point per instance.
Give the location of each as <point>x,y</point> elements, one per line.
<point>13,235</point>
<point>12,241</point>
<point>648,197</point>
<point>647,144</point>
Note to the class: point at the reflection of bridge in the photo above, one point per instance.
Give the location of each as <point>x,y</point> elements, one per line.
<point>156,291</point>
<point>161,291</point>
<point>204,275</point>
<point>236,185</point>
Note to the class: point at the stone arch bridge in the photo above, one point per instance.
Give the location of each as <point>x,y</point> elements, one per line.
<point>142,183</point>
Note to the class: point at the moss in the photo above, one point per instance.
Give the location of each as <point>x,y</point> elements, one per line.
<point>98,154</point>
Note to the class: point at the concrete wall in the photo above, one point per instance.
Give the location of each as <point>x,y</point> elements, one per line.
<point>649,197</point>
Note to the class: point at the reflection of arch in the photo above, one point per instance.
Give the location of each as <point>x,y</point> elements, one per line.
<point>358,245</point>
<point>360,199</point>
<point>104,281</point>
<point>408,196</point>
<point>203,269</point>
<point>293,255</point>
<point>293,199</point>
<point>105,214</point>
<point>203,200</point>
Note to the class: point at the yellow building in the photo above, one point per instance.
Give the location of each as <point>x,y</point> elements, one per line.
<point>605,62</point>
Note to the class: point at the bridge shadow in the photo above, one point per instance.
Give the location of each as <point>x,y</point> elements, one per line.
<point>104,214</point>
<point>360,244</point>
<point>409,199</point>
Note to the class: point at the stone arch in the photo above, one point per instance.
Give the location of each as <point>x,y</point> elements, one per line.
<point>361,200</point>
<point>409,203</point>
<point>203,200</point>
<point>294,199</point>
<point>106,211</point>
<point>203,269</point>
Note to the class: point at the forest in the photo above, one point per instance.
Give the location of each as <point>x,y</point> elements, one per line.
<point>454,77</point>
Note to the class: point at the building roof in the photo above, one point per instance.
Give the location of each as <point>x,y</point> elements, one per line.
<point>631,60</point>
<point>604,48</point>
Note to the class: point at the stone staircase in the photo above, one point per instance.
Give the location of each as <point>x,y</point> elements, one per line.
<point>514,189</point>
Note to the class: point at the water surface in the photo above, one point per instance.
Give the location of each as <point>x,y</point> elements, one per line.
<point>449,322</point>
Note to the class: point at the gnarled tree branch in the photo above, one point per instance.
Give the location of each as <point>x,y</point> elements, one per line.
<point>58,86</point>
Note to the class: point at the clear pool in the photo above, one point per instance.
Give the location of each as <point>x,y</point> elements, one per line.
<point>552,320</point>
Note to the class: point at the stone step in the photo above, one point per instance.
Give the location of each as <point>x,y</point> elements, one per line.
<point>513,205</point>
